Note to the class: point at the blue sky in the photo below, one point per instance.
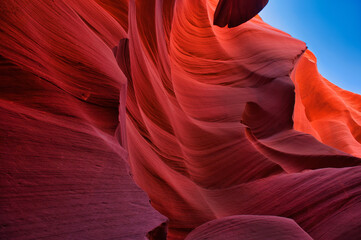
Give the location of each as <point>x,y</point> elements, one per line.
<point>331,30</point>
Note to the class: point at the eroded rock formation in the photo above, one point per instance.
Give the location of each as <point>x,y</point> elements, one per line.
<point>228,131</point>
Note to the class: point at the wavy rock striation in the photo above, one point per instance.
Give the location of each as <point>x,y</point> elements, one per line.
<point>229,131</point>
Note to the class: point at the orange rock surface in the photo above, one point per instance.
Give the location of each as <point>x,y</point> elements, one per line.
<point>228,131</point>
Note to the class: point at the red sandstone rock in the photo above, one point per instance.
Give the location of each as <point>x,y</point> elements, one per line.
<point>236,12</point>
<point>249,227</point>
<point>218,126</point>
<point>64,164</point>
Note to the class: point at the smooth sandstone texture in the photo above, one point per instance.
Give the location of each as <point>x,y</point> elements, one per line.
<point>240,227</point>
<point>64,164</point>
<point>329,113</point>
<point>228,131</point>
<point>236,12</point>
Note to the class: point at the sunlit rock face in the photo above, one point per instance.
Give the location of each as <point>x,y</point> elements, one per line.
<point>221,122</point>
<point>329,113</point>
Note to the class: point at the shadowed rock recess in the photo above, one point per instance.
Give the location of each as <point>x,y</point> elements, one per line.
<point>170,119</point>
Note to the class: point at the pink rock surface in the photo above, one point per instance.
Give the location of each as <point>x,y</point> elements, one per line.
<point>64,163</point>
<point>249,227</point>
<point>226,130</point>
